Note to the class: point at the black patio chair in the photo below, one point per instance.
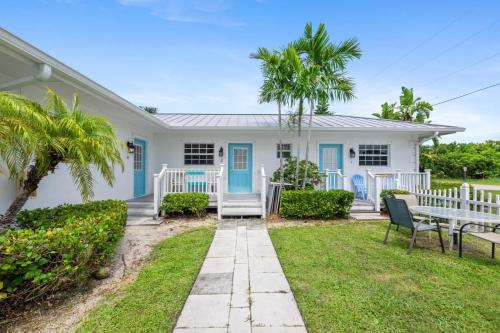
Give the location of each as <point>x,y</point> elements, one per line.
<point>400,215</point>
<point>491,236</point>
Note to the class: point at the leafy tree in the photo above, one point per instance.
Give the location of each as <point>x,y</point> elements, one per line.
<point>388,111</point>
<point>312,177</point>
<point>323,108</point>
<point>35,140</point>
<point>149,109</point>
<point>410,108</point>
<point>324,64</point>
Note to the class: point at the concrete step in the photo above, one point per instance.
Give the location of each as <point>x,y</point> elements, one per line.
<point>362,209</point>
<point>140,204</point>
<point>238,203</point>
<point>140,212</point>
<point>241,211</point>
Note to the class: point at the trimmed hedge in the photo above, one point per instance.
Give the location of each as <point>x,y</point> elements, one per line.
<point>60,248</point>
<point>316,204</point>
<point>185,203</point>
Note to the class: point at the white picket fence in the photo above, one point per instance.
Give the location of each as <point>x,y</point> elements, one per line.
<point>460,198</point>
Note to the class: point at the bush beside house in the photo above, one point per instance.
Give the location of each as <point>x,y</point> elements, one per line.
<point>57,248</point>
<point>185,203</point>
<point>316,204</point>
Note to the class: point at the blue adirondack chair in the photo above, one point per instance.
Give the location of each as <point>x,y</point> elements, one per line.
<point>359,187</point>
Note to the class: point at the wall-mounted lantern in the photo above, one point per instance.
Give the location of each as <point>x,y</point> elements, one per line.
<point>352,153</point>
<point>221,152</point>
<point>130,147</point>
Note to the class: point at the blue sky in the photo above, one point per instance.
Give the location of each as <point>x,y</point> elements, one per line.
<point>192,55</point>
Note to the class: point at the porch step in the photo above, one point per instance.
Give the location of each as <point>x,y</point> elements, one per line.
<point>142,212</point>
<point>241,211</point>
<point>241,204</point>
<point>362,206</point>
<point>135,204</point>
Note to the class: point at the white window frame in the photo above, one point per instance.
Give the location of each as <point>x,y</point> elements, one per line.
<point>206,153</point>
<point>380,154</point>
<point>280,151</point>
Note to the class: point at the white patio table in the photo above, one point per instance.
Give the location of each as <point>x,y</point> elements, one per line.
<point>455,216</point>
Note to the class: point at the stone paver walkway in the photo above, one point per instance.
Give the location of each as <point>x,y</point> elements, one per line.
<point>241,287</point>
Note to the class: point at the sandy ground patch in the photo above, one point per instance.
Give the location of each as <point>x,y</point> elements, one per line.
<point>68,309</point>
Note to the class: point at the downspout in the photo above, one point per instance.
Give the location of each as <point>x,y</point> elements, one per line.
<point>44,73</point>
<point>417,150</point>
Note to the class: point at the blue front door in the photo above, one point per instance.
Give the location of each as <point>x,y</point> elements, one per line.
<point>139,168</point>
<point>330,158</point>
<point>240,167</point>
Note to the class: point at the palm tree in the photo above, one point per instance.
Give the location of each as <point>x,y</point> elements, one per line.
<point>413,109</point>
<point>325,64</point>
<point>275,88</point>
<point>34,140</point>
<point>388,111</point>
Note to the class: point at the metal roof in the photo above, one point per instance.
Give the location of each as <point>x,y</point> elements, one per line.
<point>270,121</point>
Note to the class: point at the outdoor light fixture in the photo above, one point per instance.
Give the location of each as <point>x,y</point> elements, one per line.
<point>465,174</point>
<point>130,147</point>
<point>352,153</point>
<point>221,152</point>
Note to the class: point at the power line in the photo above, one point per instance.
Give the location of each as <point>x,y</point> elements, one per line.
<point>467,13</point>
<point>448,49</point>
<point>467,94</point>
<point>463,68</point>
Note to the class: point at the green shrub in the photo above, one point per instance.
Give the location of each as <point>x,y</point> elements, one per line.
<point>289,168</point>
<point>385,193</point>
<point>316,204</point>
<point>61,248</point>
<point>185,203</point>
<point>445,184</point>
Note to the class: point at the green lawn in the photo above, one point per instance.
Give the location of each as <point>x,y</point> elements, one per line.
<point>346,280</point>
<point>153,302</point>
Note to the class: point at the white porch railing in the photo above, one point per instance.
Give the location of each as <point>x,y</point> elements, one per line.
<point>409,181</point>
<point>263,190</point>
<point>335,180</point>
<point>220,191</point>
<point>179,180</point>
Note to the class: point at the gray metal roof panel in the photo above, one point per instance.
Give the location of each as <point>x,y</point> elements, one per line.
<point>270,121</point>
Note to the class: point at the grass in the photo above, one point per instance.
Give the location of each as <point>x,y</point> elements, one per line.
<point>153,302</point>
<point>346,280</point>
<point>486,181</point>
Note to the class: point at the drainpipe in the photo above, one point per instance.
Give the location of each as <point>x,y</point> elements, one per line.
<point>43,74</point>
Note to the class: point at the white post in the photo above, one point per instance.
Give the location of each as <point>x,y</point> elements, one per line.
<point>164,185</point>
<point>398,179</point>
<point>156,188</point>
<point>378,190</point>
<point>464,196</point>
<point>327,179</point>
<point>427,179</point>
<point>263,191</point>
<point>220,190</point>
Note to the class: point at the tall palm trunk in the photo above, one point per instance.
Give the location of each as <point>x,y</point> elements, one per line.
<point>299,131</point>
<point>281,146</point>
<point>309,126</point>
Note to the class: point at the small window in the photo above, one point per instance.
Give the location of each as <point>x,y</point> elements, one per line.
<point>286,150</point>
<point>138,158</point>
<point>374,155</point>
<point>198,153</point>
<point>240,159</point>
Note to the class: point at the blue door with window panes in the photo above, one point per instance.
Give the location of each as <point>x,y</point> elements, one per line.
<point>240,167</point>
<point>139,168</point>
<point>330,158</point>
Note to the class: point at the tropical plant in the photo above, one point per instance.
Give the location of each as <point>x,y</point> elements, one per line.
<point>388,111</point>
<point>323,108</point>
<point>35,140</point>
<point>149,109</point>
<point>275,88</point>
<point>410,108</point>
<point>290,174</point>
<point>324,67</point>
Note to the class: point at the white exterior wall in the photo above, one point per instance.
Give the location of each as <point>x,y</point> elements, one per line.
<point>58,188</point>
<point>170,148</point>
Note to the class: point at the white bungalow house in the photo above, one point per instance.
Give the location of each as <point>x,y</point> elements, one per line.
<point>229,156</point>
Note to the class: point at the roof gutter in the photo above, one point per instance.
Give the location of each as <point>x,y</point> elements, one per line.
<point>436,134</point>
<point>43,74</point>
